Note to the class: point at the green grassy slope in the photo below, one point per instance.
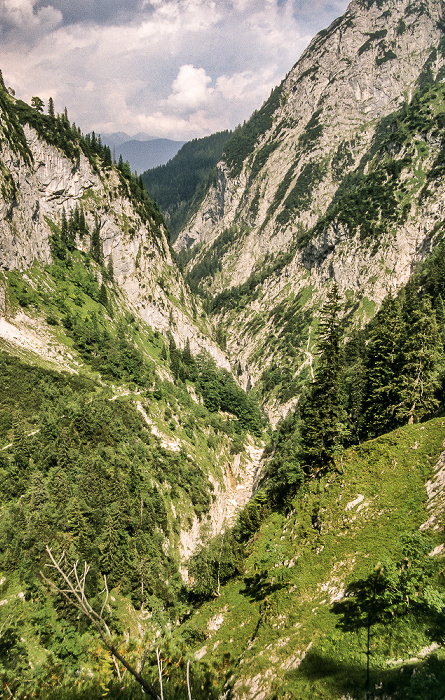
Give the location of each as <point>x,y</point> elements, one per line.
<point>276,623</point>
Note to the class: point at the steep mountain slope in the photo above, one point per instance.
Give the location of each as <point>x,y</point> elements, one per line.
<point>293,623</point>
<point>179,186</point>
<point>123,440</point>
<point>46,172</point>
<point>89,285</point>
<point>273,231</point>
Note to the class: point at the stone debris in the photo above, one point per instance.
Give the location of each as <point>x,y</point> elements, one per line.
<point>354,503</point>
<point>435,488</point>
<point>239,494</point>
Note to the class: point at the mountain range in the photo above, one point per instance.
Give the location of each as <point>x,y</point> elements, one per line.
<point>222,451</point>
<point>142,152</point>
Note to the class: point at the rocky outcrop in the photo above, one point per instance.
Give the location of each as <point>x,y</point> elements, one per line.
<point>363,67</point>
<point>323,126</point>
<point>41,183</point>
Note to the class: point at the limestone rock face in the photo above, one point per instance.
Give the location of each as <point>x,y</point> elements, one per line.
<point>363,67</point>
<point>36,186</point>
<point>322,125</point>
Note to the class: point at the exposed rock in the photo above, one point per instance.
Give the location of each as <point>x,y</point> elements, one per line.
<point>365,66</point>
<point>42,186</point>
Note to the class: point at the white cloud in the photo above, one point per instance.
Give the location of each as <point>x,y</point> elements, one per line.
<point>175,68</point>
<point>23,21</point>
<point>190,89</point>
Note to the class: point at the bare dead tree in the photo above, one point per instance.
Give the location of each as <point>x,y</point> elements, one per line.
<point>73,590</point>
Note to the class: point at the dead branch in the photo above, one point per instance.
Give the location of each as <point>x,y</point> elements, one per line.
<point>74,592</point>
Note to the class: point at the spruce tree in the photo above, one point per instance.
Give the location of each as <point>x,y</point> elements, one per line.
<point>83,228</point>
<point>355,382</point>
<point>323,413</point>
<point>103,297</point>
<point>96,244</point>
<point>420,352</point>
<point>64,229</point>
<point>19,443</point>
<point>382,369</point>
<point>110,268</point>
<point>51,111</point>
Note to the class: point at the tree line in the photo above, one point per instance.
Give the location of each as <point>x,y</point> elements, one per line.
<point>377,379</point>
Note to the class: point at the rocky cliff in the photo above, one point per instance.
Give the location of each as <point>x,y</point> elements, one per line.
<point>339,134</point>
<point>40,180</point>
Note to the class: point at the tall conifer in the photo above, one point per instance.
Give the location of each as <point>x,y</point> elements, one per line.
<point>382,369</point>
<point>420,352</point>
<point>323,414</point>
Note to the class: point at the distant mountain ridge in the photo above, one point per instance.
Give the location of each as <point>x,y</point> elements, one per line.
<point>180,185</point>
<point>142,151</point>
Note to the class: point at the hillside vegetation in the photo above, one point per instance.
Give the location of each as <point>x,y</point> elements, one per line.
<point>179,186</point>
<point>128,567</point>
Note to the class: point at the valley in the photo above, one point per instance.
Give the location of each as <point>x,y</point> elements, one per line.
<point>235,429</point>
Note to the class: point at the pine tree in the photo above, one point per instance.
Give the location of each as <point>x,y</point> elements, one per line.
<point>51,111</point>
<point>60,489</point>
<point>37,103</point>
<point>64,460</point>
<point>382,369</point>
<point>83,228</point>
<point>19,443</point>
<point>106,154</point>
<point>103,297</point>
<point>64,229</point>
<point>72,228</point>
<point>420,353</point>
<point>110,268</point>
<point>355,382</point>
<point>96,244</point>
<point>323,413</point>
<point>111,560</point>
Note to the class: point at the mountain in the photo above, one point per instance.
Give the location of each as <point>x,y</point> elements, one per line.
<point>324,184</point>
<point>162,528</point>
<point>118,137</point>
<point>123,431</point>
<point>142,152</point>
<point>179,186</point>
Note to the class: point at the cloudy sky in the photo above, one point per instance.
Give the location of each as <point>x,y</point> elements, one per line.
<point>170,68</point>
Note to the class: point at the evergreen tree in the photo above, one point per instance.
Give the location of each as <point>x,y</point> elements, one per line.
<point>64,229</point>
<point>106,155</point>
<point>60,489</point>
<point>96,244</point>
<point>110,268</point>
<point>439,308</point>
<point>355,382</point>
<point>19,443</point>
<point>38,492</point>
<point>420,352</point>
<point>63,450</point>
<point>51,111</point>
<point>72,228</point>
<point>83,228</point>
<point>382,369</point>
<point>111,560</point>
<point>103,297</point>
<point>323,414</point>
<point>37,103</point>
